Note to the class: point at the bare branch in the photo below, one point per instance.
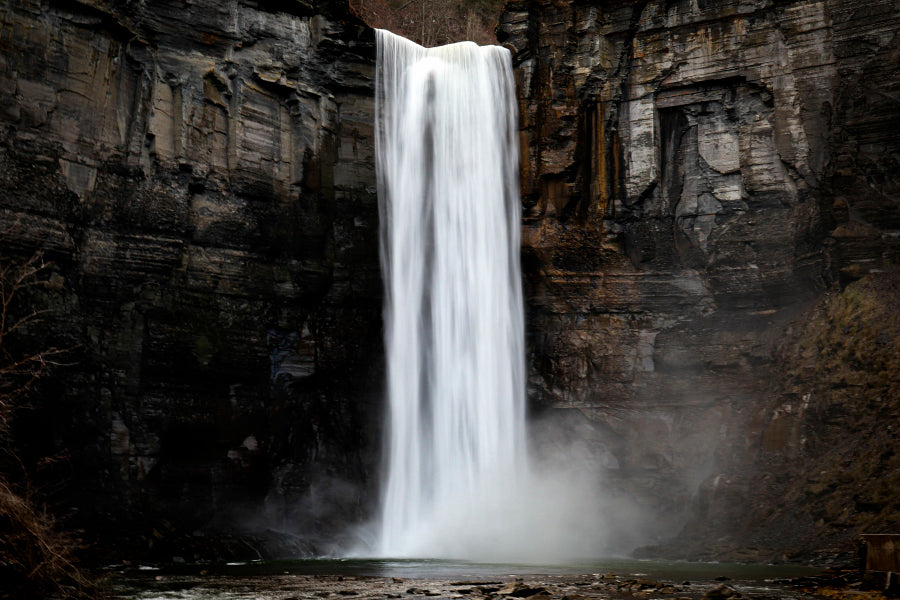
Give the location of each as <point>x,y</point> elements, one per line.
<point>19,374</point>
<point>40,556</point>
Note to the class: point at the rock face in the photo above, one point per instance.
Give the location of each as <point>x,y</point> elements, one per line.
<point>696,174</point>
<point>201,176</point>
<point>700,181</point>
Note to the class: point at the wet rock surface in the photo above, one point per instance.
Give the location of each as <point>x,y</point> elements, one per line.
<point>835,584</point>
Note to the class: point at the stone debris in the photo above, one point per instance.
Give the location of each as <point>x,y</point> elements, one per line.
<point>422,592</point>
<point>834,585</point>
<point>520,590</point>
<point>721,592</point>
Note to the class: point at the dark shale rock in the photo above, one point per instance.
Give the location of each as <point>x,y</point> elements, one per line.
<point>721,592</point>
<point>517,589</point>
<point>695,175</point>
<point>201,176</point>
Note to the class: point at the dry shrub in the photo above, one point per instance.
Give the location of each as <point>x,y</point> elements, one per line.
<point>36,559</point>
<point>20,371</point>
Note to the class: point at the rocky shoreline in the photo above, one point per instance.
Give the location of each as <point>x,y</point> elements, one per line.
<point>834,583</point>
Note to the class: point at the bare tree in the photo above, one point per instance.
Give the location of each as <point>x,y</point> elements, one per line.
<point>36,558</point>
<point>18,374</point>
<point>433,22</point>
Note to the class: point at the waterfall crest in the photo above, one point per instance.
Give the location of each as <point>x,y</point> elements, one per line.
<point>447,165</point>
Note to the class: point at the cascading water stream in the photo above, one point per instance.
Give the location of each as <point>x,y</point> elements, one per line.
<point>447,163</point>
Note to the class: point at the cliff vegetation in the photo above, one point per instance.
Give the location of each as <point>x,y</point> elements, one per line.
<point>434,22</point>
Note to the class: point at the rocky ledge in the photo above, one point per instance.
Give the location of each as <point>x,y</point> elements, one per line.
<point>835,584</point>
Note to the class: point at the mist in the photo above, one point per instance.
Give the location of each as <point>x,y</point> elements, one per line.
<point>562,507</point>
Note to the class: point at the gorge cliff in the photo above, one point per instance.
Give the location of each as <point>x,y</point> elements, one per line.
<point>711,201</point>
<point>697,176</point>
<point>200,177</point>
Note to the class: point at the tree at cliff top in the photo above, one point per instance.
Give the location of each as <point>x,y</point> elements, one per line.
<point>434,22</point>
<point>35,557</point>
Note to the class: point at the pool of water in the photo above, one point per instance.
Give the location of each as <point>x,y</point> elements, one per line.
<point>276,579</point>
<point>449,569</point>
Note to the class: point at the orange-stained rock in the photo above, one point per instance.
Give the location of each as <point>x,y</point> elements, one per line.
<point>696,175</point>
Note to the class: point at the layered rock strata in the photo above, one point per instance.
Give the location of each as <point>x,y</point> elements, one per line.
<point>200,175</point>
<point>695,174</point>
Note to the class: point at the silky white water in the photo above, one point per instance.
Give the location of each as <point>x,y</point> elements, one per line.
<point>447,165</point>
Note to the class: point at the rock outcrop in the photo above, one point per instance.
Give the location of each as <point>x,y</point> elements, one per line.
<point>200,174</point>
<point>695,175</point>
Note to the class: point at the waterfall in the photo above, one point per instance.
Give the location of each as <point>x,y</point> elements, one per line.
<point>447,164</point>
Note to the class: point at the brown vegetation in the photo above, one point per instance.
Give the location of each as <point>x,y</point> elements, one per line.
<point>836,415</point>
<point>19,373</point>
<point>433,22</point>
<point>35,557</point>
